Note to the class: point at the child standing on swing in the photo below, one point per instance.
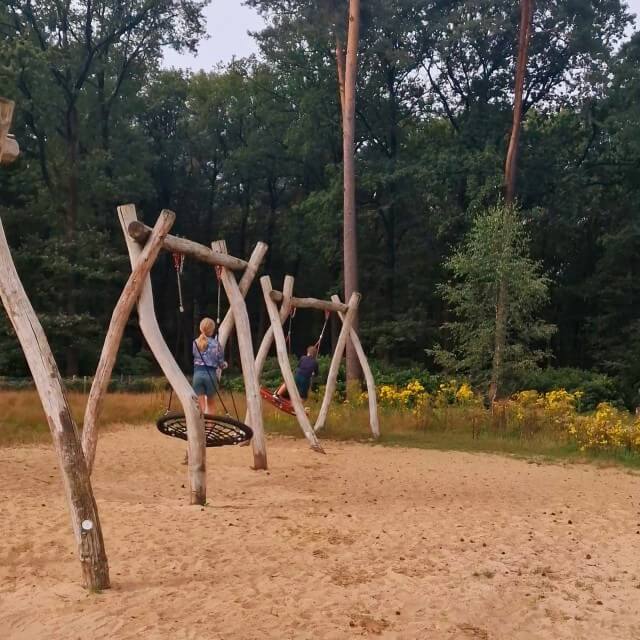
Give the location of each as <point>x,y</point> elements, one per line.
<point>307,368</point>
<point>208,359</point>
<point>208,362</point>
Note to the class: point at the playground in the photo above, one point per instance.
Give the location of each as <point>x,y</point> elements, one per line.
<point>335,339</point>
<point>363,542</point>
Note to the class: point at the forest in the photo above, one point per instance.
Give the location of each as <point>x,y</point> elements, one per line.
<point>253,151</point>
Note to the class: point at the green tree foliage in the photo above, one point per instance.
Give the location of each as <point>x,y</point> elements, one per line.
<point>494,253</point>
<point>76,71</point>
<point>252,151</point>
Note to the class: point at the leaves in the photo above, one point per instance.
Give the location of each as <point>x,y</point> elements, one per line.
<point>252,151</point>
<point>495,252</point>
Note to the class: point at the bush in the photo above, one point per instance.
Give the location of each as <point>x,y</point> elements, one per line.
<point>139,365</point>
<point>395,377</point>
<point>608,429</point>
<point>595,387</point>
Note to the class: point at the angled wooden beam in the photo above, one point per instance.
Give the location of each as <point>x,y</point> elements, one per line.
<point>119,318</point>
<point>267,340</point>
<point>253,266</point>
<point>173,373</point>
<point>66,439</point>
<point>245,346</point>
<point>285,366</point>
<point>140,232</point>
<point>336,360</point>
<point>374,421</point>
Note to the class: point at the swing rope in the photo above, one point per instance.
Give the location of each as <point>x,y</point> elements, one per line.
<point>218,270</point>
<point>318,344</point>
<point>178,263</point>
<point>292,315</point>
<point>219,277</point>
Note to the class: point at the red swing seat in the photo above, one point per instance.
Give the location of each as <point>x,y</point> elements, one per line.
<point>279,403</point>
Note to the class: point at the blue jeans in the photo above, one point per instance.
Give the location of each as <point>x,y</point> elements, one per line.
<point>205,381</point>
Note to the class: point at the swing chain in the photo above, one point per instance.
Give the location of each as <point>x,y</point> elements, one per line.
<point>318,344</point>
<point>292,315</point>
<point>178,264</point>
<point>218,269</point>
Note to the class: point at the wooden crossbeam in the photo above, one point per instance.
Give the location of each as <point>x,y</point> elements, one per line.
<point>311,303</point>
<point>140,232</point>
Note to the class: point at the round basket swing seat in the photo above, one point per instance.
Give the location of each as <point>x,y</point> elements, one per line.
<point>219,431</point>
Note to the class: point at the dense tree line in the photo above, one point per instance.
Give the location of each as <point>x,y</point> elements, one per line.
<point>253,151</point>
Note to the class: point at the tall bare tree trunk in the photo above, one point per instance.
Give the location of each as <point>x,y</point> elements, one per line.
<point>350,236</point>
<point>511,164</point>
<point>510,172</point>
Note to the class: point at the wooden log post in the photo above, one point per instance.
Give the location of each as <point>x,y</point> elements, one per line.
<point>334,368</point>
<point>119,319</point>
<point>285,366</point>
<point>189,401</point>
<point>267,340</point>
<point>253,265</point>
<point>9,149</point>
<point>66,439</point>
<point>245,346</point>
<point>374,421</point>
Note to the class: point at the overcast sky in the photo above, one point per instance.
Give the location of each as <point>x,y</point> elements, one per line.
<point>227,24</point>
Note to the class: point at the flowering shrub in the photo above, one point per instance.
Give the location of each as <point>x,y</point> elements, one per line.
<point>411,395</point>
<point>557,408</point>
<point>526,413</point>
<point>465,395</point>
<point>414,395</point>
<point>560,406</point>
<point>607,429</point>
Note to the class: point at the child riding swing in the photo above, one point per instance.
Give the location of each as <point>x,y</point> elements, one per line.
<point>307,368</point>
<point>307,365</point>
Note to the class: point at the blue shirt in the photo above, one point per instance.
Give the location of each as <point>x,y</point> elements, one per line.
<point>211,357</point>
<point>307,367</point>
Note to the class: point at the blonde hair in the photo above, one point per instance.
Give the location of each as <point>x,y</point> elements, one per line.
<point>312,351</point>
<point>207,329</point>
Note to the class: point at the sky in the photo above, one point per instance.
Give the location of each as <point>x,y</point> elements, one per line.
<point>227,24</point>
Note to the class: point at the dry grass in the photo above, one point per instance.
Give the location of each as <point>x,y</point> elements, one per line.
<point>22,422</point>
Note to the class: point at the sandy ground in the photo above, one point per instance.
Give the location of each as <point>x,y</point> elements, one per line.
<point>365,541</point>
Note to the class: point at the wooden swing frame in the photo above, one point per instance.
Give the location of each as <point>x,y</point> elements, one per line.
<point>144,245</point>
<point>346,313</point>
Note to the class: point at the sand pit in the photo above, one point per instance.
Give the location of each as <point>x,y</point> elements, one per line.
<point>364,542</point>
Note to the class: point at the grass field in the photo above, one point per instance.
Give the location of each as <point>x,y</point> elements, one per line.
<point>22,422</point>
